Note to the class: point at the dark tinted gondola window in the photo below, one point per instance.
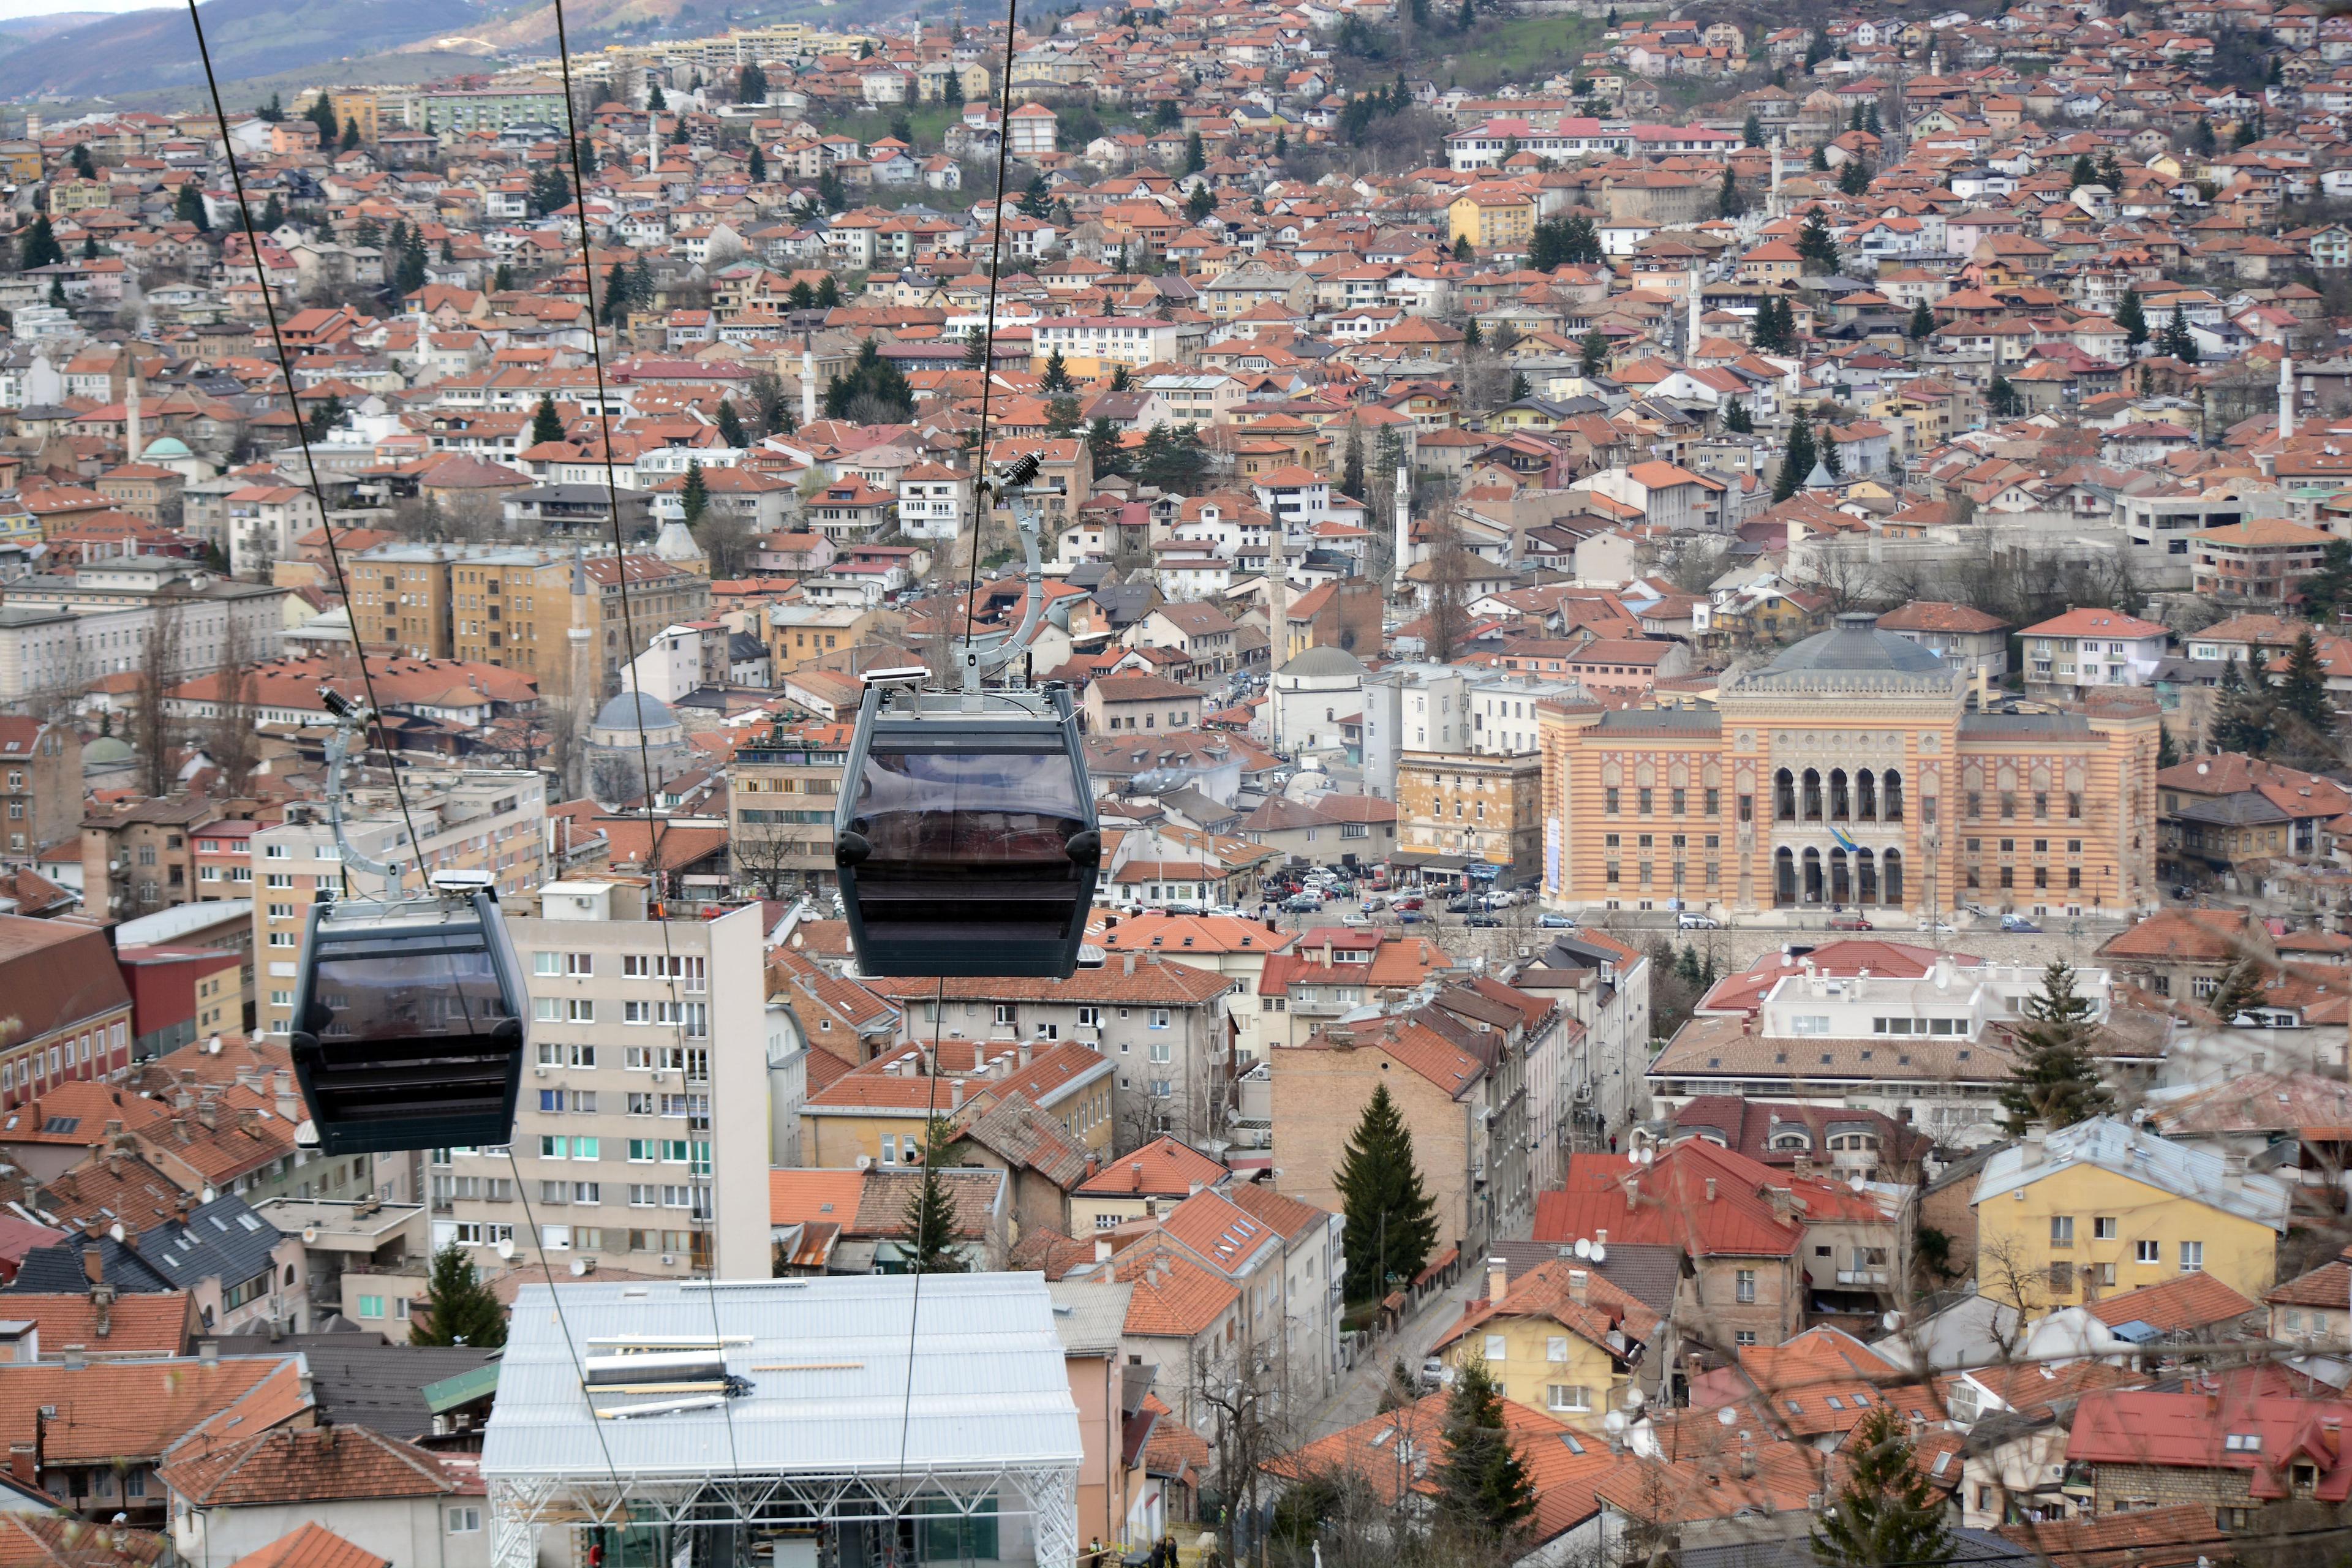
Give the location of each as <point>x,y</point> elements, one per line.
<point>973,809</point>
<point>394,990</point>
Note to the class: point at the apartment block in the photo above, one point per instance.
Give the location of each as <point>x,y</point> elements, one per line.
<point>781,794</point>
<point>647,1092</point>
<point>491,820</point>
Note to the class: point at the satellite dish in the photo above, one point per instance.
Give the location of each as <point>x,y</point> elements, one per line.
<point>213,1046</point>
<point>1727,1416</point>
<point>579,1267</point>
<point>1856,1181</point>
<point>506,1246</point>
<point>1600,1253</point>
<point>1615,1421</point>
<point>1583,1247</point>
<point>1635,1399</point>
<point>1891,1321</point>
<point>1633,1156</point>
<point>310,1234</point>
<point>208,1196</point>
<point>1649,1156</point>
<point>115,1231</point>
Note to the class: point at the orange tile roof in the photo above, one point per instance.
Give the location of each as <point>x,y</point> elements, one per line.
<point>60,1541</point>
<point>317,1465</point>
<point>2176,1306</point>
<point>311,1546</point>
<point>1161,1168</point>
<point>140,1409</point>
<point>801,1196</point>
<point>155,1323</point>
<point>1174,1296</point>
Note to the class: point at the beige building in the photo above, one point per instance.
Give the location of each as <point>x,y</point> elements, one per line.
<point>645,1094</point>
<point>1454,808</point>
<point>494,820</point>
<point>781,794</point>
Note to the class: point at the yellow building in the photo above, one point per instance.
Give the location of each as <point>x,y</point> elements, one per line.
<point>1492,219</point>
<point>1849,771</point>
<point>355,105</point>
<point>875,1116</point>
<point>2103,1208</point>
<point>1546,1338</point>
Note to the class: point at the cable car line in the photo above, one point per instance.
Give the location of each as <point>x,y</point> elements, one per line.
<point>988,328</point>
<point>655,829</point>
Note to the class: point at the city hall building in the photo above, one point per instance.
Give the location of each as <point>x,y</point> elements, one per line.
<point>1848,774</point>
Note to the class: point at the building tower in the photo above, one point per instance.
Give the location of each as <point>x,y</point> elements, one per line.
<point>1690,333</point>
<point>132,444</point>
<point>808,384</point>
<point>2286,396</point>
<point>1278,627</point>
<point>1773,201</point>
<point>1404,527</point>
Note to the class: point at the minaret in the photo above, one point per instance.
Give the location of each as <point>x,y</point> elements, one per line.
<point>1278,627</point>
<point>653,143</point>
<point>1690,338</point>
<point>1772,202</point>
<point>130,441</point>
<point>581,673</point>
<point>1404,527</point>
<point>808,384</point>
<point>2286,396</point>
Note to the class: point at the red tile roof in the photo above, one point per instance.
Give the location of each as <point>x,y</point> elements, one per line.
<point>317,1465</point>
<point>1671,1203</point>
<point>311,1546</point>
<point>1161,1168</point>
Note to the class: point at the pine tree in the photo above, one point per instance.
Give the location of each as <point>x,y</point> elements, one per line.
<point>2001,400</point>
<point>2241,988</point>
<point>188,207</point>
<point>1484,1489</point>
<point>2054,1081</point>
<point>40,246</point>
<point>2202,140</point>
<point>755,168</point>
<point>1815,244</point>
<point>1727,200</point>
<point>655,100</point>
<point>502,280</point>
<point>411,263</point>
<point>1853,177</point>
<point>1751,131</point>
<point>693,497</point>
<point>1923,321</point>
<point>1351,467</point>
<point>730,424</point>
<point>2131,315</point>
<point>1885,1512</point>
<point>350,134</point>
<point>2083,173</point>
<point>2329,586</point>
<point>1196,157</point>
<point>1104,449</point>
<point>56,295</point>
<point>321,113</point>
<point>617,297</point>
<point>1796,459</point>
<point>1201,203</point>
<point>1388,1210</point>
<point>2303,689</point>
<point>930,1217</point>
<point>2167,751</point>
<point>1062,416</point>
<point>641,284</point>
<point>82,164</point>
<point>1833,460</point>
<point>89,251</point>
<point>459,1308</point>
<point>752,85</point>
<point>828,293</point>
<point>1056,377</point>
<point>1737,419</point>
<point>1593,354</point>
<point>546,424</point>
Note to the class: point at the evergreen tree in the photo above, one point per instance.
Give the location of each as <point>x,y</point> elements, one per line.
<point>411,263</point>
<point>2001,400</point>
<point>1818,160</point>
<point>1351,466</point>
<point>801,297</point>
<point>82,165</point>
<point>2242,720</point>
<point>1815,244</point>
<point>1037,197</point>
<point>2168,751</point>
<point>1737,419</point>
<point>730,426</point>
<point>321,113</point>
<point>1887,1513</point>
<point>1105,451</point>
<point>1853,177</point>
<point>828,293</point>
<point>1833,460</point>
<point>752,85</point>
<point>951,89</point>
<point>1593,354</point>
<point>655,101</point>
<point>1056,377</point>
<point>1870,121</point>
<point>1728,201</point>
<point>641,284</point>
<point>2241,988</point>
<point>1388,1211</point>
<point>2178,340</point>
<point>2082,174</point>
<point>56,295</point>
<point>1196,158</point>
<point>617,297</point>
<point>1472,338</point>
<point>502,280</point>
<point>1751,131</point>
<point>1579,241</point>
<point>273,214</point>
<point>369,235</point>
<point>1462,23</point>
<point>188,207</point>
<point>2131,315</point>
<point>1923,321</point>
<point>459,1308</point>
<point>694,495</point>
<point>39,246</point>
<point>2329,586</point>
<point>1484,1489</point>
<point>546,424</point>
<point>350,134</point>
<point>1796,459</point>
<point>2054,1081</point>
<point>273,113</point>
<point>89,251</point>
<point>1062,416</point>
<point>930,1218</point>
<point>1201,203</point>
<point>755,168</point>
<point>975,350</point>
<point>2303,691</point>
<point>324,417</point>
<point>1520,390</point>
<point>2202,140</point>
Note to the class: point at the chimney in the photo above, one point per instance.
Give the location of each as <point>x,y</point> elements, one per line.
<point>93,1265</point>
<point>1102,1249</point>
<point>1633,1196</point>
<point>208,1354</point>
<point>1579,1285</point>
<point>1746,1461</point>
<point>1710,1189</point>
<point>2037,1140</point>
<point>1131,963</point>
<point>281,1086</point>
<point>75,1359</point>
<point>1024,1053</point>
<point>1499,1279</point>
<point>1804,1167</point>
<point>955,1094</point>
<point>24,1464</point>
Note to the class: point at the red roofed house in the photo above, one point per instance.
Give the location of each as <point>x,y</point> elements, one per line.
<point>2090,648</point>
<point>390,1498</point>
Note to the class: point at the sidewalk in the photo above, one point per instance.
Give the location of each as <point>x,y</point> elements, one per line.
<point>1359,1395</point>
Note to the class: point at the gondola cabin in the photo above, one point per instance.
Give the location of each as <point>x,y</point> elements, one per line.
<point>408,1021</point>
<point>966,839</point>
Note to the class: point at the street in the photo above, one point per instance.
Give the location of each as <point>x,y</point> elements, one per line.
<point>1358,1395</point>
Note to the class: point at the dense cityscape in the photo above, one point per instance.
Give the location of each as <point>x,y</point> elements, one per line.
<point>1705,655</point>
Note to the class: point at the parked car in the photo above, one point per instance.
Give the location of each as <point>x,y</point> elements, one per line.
<point>1410,917</point>
<point>1936,923</point>
<point>1461,906</point>
<point>1698,922</point>
<point>1551,919</point>
<point>1301,904</point>
<point>2020,924</point>
<point>1435,1374</point>
<point>1358,922</point>
<point>1409,901</point>
<point>1483,921</point>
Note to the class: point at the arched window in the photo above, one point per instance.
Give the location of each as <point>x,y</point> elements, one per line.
<point>1784,796</point>
<point>1812,795</point>
<point>1841,805</point>
<point>1840,879</point>
<point>1891,787</point>
<point>1865,878</point>
<point>1812,876</point>
<point>1866,796</point>
<point>1784,871</point>
<point>1891,869</point>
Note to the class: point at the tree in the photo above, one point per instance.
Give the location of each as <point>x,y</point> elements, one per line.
<point>82,165</point>
<point>616,297</point>
<point>1592,353</point>
<point>1062,414</point>
<point>1387,1208</point>
<point>2241,988</point>
<point>1351,466</point>
<point>2242,720</point>
<point>350,134</point>
<point>1797,459</point>
<point>641,284</point>
<point>1751,131</point>
<point>1854,177</point>
<point>459,1308</point>
<point>1815,245</point>
<point>1201,203</point>
<point>752,85</point>
<point>930,1218</point>
<point>2202,140</point>
<point>502,280</point>
<point>2303,703</point>
<point>325,416</point>
<point>731,427</point>
<point>2167,751</point>
<point>188,207</point>
<point>412,264</point>
<point>2329,586</point>
<point>1737,419</point>
<point>2054,1081</point>
<point>1833,460</point>
<point>232,737</point>
<point>655,101</point>
<point>1056,377</point>
<point>1121,379</point>
<point>273,214</point>
<point>755,168</point>
<point>1463,22</point>
<point>2002,401</point>
<point>153,736</point>
<point>2177,339</point>
<point>768,402</point>
<point>828,293</point>
<point>951,88</point>
<point>1923,321</point>
<point>1104,449</point>
<point>546,424</point>
<point>2083,173</point>
<point>1196,158</point>
<point>1885,1512</point>
<point>2131,315</point>
<point>321,113</point>
<point>1728,203</point>
<point>1520,390</point>
<point>694,495</point>
<point>1173,460</point>
<point>1774,328</point>
<point>273,113</point>
<point>1484,1490</point>
<point>1471,336</point>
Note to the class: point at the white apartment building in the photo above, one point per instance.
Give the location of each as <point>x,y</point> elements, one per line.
<point>1502,713</point>
<point>58,633</point>
<point>1411,708</point>
<point>642,1134</point>
<point>1131,341</point>
<point>491,820</point>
